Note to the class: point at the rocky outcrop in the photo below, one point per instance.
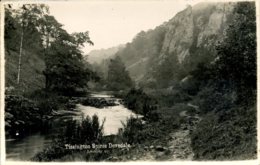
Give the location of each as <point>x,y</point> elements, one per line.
<point>189,37</point>
<point>179,35</point>
<point>199,26</point>
<point>99,102</point>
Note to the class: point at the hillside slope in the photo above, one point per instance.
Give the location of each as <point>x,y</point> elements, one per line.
<point>32,66</point>
<point>184,41</point>
<point>98,55</point>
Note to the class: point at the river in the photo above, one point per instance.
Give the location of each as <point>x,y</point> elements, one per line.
<point>25,148</point>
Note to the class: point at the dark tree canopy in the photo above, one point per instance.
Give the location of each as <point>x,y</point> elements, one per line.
<point>228,101</point>
<point>118,77</point>
<point>65,68</point>
<point>237,52</point>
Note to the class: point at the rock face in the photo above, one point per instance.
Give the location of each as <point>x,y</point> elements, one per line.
<point>182,23</point>
<point>200,26</point>
<point>190,36</point>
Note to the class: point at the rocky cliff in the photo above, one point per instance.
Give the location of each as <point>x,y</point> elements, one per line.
<point>198,26</point>
<point>186,40</point>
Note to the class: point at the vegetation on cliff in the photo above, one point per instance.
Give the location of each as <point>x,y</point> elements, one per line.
<point>228,100</point>
<point>193,77</point>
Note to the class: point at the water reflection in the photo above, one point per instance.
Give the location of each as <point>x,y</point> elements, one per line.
<point>25,148</point>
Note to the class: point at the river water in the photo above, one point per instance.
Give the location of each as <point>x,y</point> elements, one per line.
<point>25,148</point>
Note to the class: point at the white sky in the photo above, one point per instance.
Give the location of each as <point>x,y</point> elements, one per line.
<point>111,23</point>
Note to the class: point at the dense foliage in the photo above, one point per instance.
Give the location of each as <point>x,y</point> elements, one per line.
<point>228,98</point>
<point>118,77</point>
<point>23,53</point>
<point>236,61</point>
<point>166,72</point>
<point>41,69</point>
<point>85,132</point>
<point>141,103</point>
<point>21,116</point>
<point>65,70</point>
<point>31,113</point>
<point>143,51</point>
<point>24,21</point>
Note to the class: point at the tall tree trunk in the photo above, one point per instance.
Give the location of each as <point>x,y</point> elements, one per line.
<point>47,81</point>
<point>20,58</point>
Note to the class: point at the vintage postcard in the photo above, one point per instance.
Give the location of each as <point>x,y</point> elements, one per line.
<point>129,81</point>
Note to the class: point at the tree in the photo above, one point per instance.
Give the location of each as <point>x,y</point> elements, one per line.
<point>228,100</point>
<point>166,71</point>
<point>11,26</point>
<point>237,53</point>
<point>66,71</point>
<point>24,22</point>
<point>118,77</point>
<point>81,38</point>
<point>49,29</point>
<point>28,17</point>
<point>65,66</point>
<point>138,101</point>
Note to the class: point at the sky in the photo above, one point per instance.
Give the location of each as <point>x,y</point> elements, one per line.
<point>114,22</point>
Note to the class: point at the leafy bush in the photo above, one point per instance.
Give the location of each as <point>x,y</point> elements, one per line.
<point>211,99</point>
<point>21,115</point>
<point>135,131</point>
<point>190,86</point>
<point>231,134</point>
<point>131,131</point>
<point>140,102</point>
<point>169,97</point>
<point>87,131</point>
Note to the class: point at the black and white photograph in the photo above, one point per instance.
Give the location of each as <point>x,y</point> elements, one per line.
<point>129,81</point>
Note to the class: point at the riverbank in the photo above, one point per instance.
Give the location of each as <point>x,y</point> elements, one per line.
<point>163,134</point>
<point>109,109</point>
<point>171,140</point>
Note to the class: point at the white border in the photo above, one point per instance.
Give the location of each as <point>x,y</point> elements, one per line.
<point>2,82</point>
